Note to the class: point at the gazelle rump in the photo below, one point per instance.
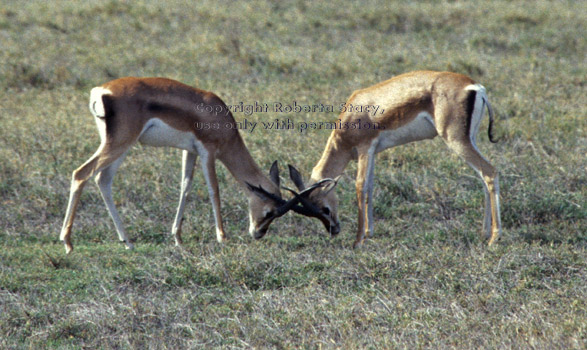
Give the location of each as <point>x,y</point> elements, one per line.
<point>416,106</point>
<point>166,113</point>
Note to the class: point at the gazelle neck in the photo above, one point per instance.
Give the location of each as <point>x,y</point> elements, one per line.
<point>334,160</point>
<point>237,159</point>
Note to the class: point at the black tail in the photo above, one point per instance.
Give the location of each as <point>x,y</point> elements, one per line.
<point>490,111</point>
<point>109,114</point>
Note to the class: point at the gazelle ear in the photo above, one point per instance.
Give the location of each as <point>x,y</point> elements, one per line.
<point>330,186</point>
<point>296,177</point>
<point>274,173</point>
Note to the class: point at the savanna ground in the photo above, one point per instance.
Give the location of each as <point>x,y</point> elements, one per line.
<point>424,280</point>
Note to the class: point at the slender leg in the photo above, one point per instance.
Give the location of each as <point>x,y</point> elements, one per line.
<point>469,152</point>
<point>212,182</point>
<point>104,181</point>
<point>77,186</point>
<point>101,159</point>
<point>370,185</point>
<point>187,175</point>
<point>361,188</point>
<point>487,217</point>
<point>495,212</point>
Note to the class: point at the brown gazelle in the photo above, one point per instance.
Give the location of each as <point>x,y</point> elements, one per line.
<point>164,112</point>
<point>412,107</point>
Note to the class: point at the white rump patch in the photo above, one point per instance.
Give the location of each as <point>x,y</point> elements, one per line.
<point>475,87</point>
<point>96,103</point>
<point>477,113</point>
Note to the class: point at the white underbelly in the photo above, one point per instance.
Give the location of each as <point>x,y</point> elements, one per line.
<point>159,134</point>
<point>421,128</point>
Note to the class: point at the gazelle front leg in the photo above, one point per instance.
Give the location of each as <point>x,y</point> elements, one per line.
<point>187,174</point>
<point>370,185</point>
<point>212,182</point>
<point>365,161</point>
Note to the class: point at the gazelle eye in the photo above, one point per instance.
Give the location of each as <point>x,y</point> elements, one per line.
<point>326,211</point>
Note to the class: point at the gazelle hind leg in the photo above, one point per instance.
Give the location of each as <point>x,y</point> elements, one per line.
<point>487,216</point>
<point>468,151</point>
<point>78,180</point>
<point>495,213</point>
<point>104,180</point>
<point>187,174</point>
<point>80,176</point>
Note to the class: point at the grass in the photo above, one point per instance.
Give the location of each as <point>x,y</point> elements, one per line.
<point>424,280</point>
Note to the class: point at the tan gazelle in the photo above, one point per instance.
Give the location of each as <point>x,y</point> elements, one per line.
<point>167,113</point>
<point>411,107</point>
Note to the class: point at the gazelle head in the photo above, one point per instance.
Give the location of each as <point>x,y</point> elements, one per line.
<point>266,204</point>
<point>318,200</point>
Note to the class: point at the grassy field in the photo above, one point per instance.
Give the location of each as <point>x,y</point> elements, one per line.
<point>424,280</point>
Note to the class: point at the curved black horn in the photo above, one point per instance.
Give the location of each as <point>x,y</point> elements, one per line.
<point>285,207</point>
<point>263,194</point>
<point>296,177</point>
<point>307,208</point>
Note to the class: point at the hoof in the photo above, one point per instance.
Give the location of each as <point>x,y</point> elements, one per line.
<point>178,241</point>
<point>220,236</point>
<point>494,238</point>
<point>129,246</point>
<point>68,246</point>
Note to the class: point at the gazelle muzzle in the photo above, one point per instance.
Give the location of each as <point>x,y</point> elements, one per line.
<point>309,209</point>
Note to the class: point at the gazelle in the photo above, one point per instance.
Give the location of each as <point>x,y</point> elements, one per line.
<point>164,112</point>
<point>412,107</point>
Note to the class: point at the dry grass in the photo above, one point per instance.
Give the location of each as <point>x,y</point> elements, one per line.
<point>424,280</point>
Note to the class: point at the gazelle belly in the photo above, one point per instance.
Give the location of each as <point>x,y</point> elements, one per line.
<point>159,134</point>
<point>422,127</point>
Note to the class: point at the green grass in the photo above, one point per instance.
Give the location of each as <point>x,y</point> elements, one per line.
<point>424,280</point>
